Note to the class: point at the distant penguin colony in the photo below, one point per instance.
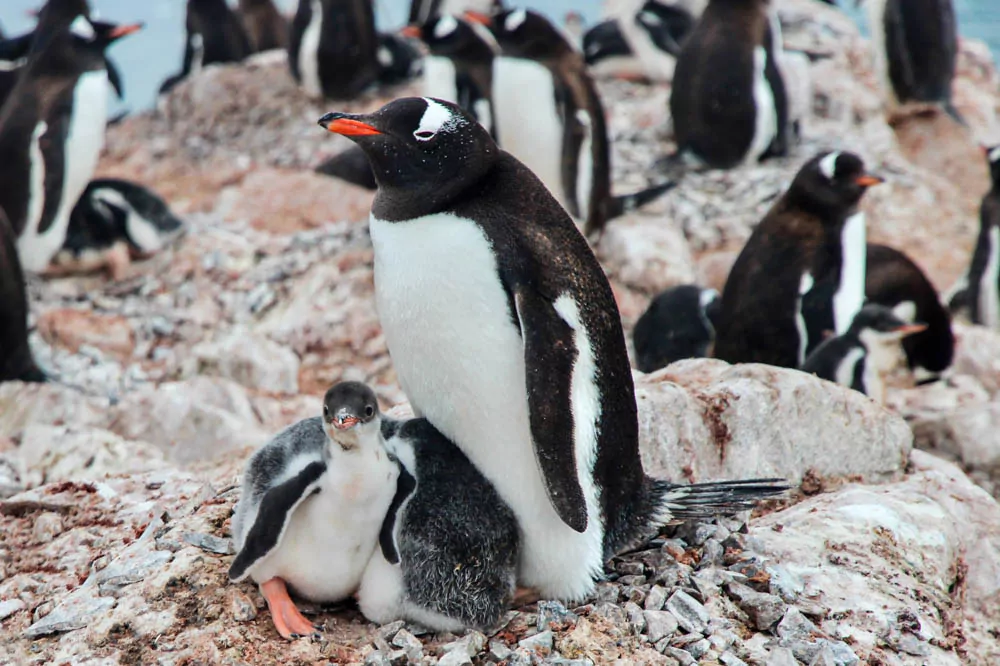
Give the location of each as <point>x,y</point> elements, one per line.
<point>678,324</point>
<point>215,34</point>
<point>801,274</point>
<point>322,60</point>
<point>534,344</point>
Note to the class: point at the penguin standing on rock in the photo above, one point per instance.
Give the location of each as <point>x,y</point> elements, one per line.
<point>895,281</point>
<point>862,357</point>
<point>583,182</point>
<point>505,335</point>
<point>265,26</point>
<point>16,362</point>
<point>333,48</point>
<point>312,503</point>
<point>52,128</point>
<point>215,34</point>
<point>802,272</point>
<point>678,324</point>
<point>728,100</point>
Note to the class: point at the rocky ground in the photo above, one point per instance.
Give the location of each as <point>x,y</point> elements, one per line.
<point>118,479</point>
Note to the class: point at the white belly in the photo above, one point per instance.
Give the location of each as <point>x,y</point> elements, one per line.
<point>84,142</point>
<point>845,371</point>
<point>989,289</point>
<point>585,165</point>
<point>528,121</point>
<point>765,118</point>
<point>309,52</point>
<point>850,294</point>
<point>460,361</point>
<point>332,535</point>
<point>439,79</point>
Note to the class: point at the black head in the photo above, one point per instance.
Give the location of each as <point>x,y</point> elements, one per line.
<point>992,154</point>
<point>455,38</point>
<point>667,25</point>
<point>882,320</point>
<point>605,40</point>
<point>349,404</point>
<point>523,33</point>
<point>423,151</point>
<point>831,184</point>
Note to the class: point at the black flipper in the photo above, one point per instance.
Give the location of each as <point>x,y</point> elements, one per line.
<point>625,203</point>
<point>405,485</point>
<point>115,78</point>
<point>276,507</point>
<point>351,165</point>
<point>549,354</point>
<point>16,361</point>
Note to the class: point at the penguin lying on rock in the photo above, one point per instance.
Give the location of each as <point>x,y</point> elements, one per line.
<point>678,324</point>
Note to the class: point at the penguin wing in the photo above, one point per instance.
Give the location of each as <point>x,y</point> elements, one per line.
<point>15,48</point>
<point>405,485</point>
<point>549,356</point>
<point>114,78</point>
<point>276,507</point>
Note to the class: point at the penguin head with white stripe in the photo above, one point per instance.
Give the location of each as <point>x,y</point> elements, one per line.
<point>351,414</point>
<point>422,149</point>
<point>132,211</point>
<point>452,37</point>
<point>992,154</point>
<point>667,25</point>
<point>882,323</point>
<point>523,33</point>
<point>831,182</point>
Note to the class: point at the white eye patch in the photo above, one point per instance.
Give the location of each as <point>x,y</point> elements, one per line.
<point>436,117</point>
<point>828,165</point>
<point>514,20</point>
<point>81,28</point>
<point>445,26</point>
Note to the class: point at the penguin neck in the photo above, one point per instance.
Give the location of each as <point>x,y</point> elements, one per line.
<point>359,439</point>
<point>830,214</point>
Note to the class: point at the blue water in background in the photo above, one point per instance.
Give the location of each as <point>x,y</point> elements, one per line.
<point>146,59</point>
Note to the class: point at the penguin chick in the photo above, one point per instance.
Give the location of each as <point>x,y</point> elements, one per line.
<point>449,545</point>
<point>676,325</point>
<point>311,505</point>
<point>869,350</point>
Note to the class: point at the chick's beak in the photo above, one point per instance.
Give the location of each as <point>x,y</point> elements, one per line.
<point>343,421</point>
<point>122,30</point>
<point>412,31</point>
<point>346,125</point>
<point>868,179</point>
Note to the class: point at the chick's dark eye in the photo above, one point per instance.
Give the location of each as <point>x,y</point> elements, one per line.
<point>369,411</point>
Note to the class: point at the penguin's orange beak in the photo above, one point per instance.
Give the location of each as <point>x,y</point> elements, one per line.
<point>340,123</point>
<point>413,31</point>
<point>867,180</point>
<point>478,17</point>
<point>345,423</point>
<point>911,329</point>
<point>123,30</point>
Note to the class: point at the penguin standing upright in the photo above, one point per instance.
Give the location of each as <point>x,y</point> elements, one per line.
<point>16,361</point>
<point>52,128</point>
<point>505,335</point>
<point>802,272</point>
<point>678,324</point>
<point>977,295</point>
<point>333,48</point>
<point>312,503</point>
<point>915,46</point>
<point>728,100</point>
<point>215,34</point>
<point>893,280</point>
<point>866,353</point>
<point>583,182</point>
<point>265,26</point>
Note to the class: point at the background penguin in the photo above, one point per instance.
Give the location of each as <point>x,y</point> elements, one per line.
<point>915,45</point>
<point>113,221</point>
<point>728,100</point>
<point>656,34</point>
<point>215,34</point>
<point>265,26</point>
<point>398,60</point>
<point>52,129</point>
<point>802,272</point>
<point>863,356</point>
<point>422,11</point>
<point>895,281</point>
<point>16,361</point>
<point>977,295</point>
<point>332,49</point>
<point>607,52</point>
<point>496,304</point>
<point>448,546</point>
<point>583,183</point>
<point>312,503</point>
<point>676,325</point>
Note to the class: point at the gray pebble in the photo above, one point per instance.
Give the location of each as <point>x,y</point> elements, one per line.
<point>241,606</point>
<point>781,656</point>
<point>659,625</point>
<point>455,658</point>
<point>698,648</point>
<point>795,625</point>
<point>552,614</point>
<point>630,568</point>
<point>635,595</point>
<point>541,643</point>
<point>607,592</point>
<point>499,650</point>
<point>711,554</point>
<point>730,659</point>
<point>635,617</point>
<point>655,598</point>
<point>824,657</point>
<point>764,610</point>
<point>611,612</point>
<point>47,526</point>
<point>911,644</point>
<point>690,614</point>
<point>682,656</point>
<point>207,542</point>
<point>376,658</point>
<point>408,643</point>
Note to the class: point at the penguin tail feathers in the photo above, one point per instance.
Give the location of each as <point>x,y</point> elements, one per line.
<point>704,500</point>
<point>626,203</point>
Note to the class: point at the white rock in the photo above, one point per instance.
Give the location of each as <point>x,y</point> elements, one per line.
<point>646,253</point>
<point>251,360</point>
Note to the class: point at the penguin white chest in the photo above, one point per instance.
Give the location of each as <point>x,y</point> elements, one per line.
<point>84,141</point>
<point>850,295</point>
<point>989,284</point>
<point>765,116</point>
<point>309,52</point>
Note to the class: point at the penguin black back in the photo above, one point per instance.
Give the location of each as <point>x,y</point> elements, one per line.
<point>676,325</point>
<point>921,43</point>
<point>266,27</point>
<point>892,279</point>
<point>16,361</point>
<point>332,48</point>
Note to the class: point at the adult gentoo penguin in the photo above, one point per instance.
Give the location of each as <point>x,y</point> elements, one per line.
<point>312,503</point>
<point>448,547</point>
<point>332,48</point>
<point>676,325</point>
<point>728,100</point>
<point>895,281</point>
<point>977,296</point>
<point>505,335</point>
<point>16,361</point>
<point>802,272</point>
<point>582,182</point>
<point>265,26</point>
<point>113,221</point>
<point>866,353</point>
<point>915,45</point>
<point>215,34</point>
<point>52,129</point>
